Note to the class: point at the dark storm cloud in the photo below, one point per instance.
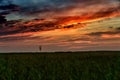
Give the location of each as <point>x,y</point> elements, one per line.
<point>32,7</point>
<point>2,19</point>
<point>11,7</point>
<point>6,7</point>
<point>41,6</point>
<point>37,8</point>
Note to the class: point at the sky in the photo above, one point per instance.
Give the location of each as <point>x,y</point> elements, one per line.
<point>59,25</point>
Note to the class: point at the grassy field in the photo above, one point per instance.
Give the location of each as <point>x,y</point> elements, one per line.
<point>104,65</point>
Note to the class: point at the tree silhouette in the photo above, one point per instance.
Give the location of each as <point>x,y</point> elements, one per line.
<point>40,48</point>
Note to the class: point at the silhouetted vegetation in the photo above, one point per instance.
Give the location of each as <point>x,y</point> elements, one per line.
<point>104,65</point>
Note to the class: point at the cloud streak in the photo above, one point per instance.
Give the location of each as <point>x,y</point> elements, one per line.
<point>15,27</point>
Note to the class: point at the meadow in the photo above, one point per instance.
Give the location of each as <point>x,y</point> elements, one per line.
<point>94,65</point>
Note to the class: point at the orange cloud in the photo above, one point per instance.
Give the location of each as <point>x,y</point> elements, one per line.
<point>89,16</point>
<point>109,36</point>
<point>64,22</point>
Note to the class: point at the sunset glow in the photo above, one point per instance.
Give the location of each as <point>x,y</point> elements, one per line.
<point>59,25</point>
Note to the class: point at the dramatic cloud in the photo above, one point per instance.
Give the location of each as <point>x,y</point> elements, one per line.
<point>54,8</point>
<point>6,7</point>
<point>64,23</point>
<point>15,27</point>
<point>33,6</point>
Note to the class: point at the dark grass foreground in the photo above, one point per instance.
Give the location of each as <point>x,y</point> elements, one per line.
<point>102,65</point>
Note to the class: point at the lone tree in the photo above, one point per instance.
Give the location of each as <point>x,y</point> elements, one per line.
<point>40,48</point>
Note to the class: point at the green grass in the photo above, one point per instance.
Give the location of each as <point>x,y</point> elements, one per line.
<point>104,65</point>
